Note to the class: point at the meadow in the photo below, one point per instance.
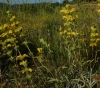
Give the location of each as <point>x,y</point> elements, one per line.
<point>50,45</point>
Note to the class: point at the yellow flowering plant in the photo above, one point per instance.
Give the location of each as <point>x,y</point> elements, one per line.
<point>94,37</point>
<point>68,33</point>
<point>74,44</point>
<point>9,35</point>
<point>12,37</point>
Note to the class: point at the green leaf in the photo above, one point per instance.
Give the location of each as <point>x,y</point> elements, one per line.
<point>12,40</point>
<point>42,41</point>
<point>16,47</point>
<point>11,59</point>
<point>54,80</point>
<point>4,43</point>
<point>9,53</point>
<point>40,58</point>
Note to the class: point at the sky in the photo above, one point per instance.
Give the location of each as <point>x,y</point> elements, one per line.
<point>31,1</point>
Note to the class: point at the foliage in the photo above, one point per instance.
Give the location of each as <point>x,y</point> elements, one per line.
<point>66,46</point>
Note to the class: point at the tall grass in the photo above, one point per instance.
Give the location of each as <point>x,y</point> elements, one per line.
<point>50,54</point>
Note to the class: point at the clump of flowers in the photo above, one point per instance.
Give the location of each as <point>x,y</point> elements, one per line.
<point>11,37</point>
<point>74,45</point>
<point>94,37</point>
<point>98,6</point>
<point>70,46</point>
<point>68,17</point>
<point>67,33</point>
<point>10,33</point>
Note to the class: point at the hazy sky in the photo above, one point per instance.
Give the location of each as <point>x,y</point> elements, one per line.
<point>30,1</point>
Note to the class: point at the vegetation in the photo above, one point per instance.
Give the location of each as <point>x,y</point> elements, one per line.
<point>66,1</point>
<point>50,45</point>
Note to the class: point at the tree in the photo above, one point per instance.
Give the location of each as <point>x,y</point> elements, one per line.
<point>78,1</point>
<point>65,1</point>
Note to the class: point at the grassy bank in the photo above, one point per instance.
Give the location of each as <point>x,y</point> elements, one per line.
<point>50,46</point>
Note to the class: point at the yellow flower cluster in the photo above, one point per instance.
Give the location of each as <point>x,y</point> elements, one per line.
<point>9,45</point>
<point>39,50</point>
<point>66,9</point>
<point>30,69</point>
<point>69,34</point>
<point>82,40</point>
<point>68,13</point>
<point>12,19</point>
<point>98,9</point>
<point>24,63</point>
<point>21,57</point>
<point>68,18</point>
<point>94,37</point>
<point>8,33</point>
<point>98,4</point>
<point>27,70</point>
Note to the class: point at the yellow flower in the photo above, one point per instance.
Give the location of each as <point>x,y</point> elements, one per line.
<point>76,16</point>
<point>72,10</point>
<point>23,63</point>
<point>13,24</point>
<point>0,27</point>
<point>25,55</point>
<point>64,11</point>
<point>65,24</point>
<point>10,32</point>
<point>73,33</point>
<point>93,29</point>
<point>61,33</point>
<point>23,71</point>
<point>93,44</point>
<point>7,40</point>
<point>20,57</point>
<point>3,34</point>
<point>60,28</point>
<point>67,5</point>
<point>96,34</point>
<point>92,40</point>
<point>5,25</point>
<point>39,49</point>
<point>81,40</point>
<point>68,33</point>
<point>65,31</point>
<point>18,29</point>
<point>9,45</point>
<point>69,18</point>
<point>30,69</point>
<point>98,39</point>
<point>98,10</point>
<point>92,34</point>
<point>13,17</point>
<point>98,4</point>
<point>17,22</point>
<point>65,17</point>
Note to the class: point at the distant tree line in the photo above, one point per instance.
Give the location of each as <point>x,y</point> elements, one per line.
<point>67,1</point>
